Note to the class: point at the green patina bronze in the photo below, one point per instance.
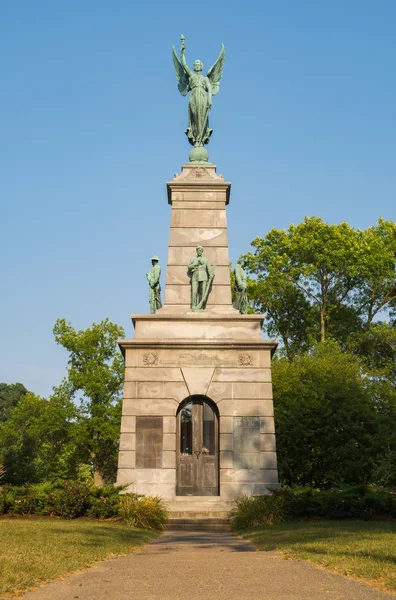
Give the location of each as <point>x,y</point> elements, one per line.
<point>241,300</point>
<point>202,89</point>
<point>153,277</point>
<point>201,275</point>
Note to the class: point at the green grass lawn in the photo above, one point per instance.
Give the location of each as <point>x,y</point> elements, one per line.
<point>37,550</point>
<point>363,550</point>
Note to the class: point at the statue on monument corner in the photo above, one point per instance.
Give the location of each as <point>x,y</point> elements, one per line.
<point>202,89</point>
<point>241,299</point>
<point>153,277</point>
<point>201,275</point>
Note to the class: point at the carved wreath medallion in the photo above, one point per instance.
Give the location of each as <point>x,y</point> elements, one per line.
<point>244,359</point>
<point>150,359</point>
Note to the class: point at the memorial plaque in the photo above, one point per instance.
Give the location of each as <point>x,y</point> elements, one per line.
<point>246,443</point>
<point>149,442</point>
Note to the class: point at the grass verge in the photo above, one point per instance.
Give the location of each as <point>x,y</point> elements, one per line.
<point>38,550</point>
<point>363,550</point>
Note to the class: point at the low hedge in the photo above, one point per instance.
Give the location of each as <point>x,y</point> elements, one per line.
<point>364,502</point>
<point>71,499</point>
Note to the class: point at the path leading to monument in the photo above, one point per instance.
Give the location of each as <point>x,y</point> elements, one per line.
<point>204,566</point>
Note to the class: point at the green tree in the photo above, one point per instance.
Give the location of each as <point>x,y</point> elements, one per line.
<point>326,421</point>
<point>10,394</point>
<point>317,279</point>
<point>95,378</point>
<point>36,442</point>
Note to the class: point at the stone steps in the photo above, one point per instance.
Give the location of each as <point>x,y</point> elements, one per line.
<point>198,524</point>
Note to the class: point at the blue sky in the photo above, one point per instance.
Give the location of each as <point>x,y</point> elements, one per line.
<point>92,127</point>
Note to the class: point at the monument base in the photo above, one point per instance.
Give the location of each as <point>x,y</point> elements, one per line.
<point>198,413</point>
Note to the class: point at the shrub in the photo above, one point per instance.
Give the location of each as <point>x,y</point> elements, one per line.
<point>258,510</point>
<point>287,504</point>
<point>147,512</point>
<point>71,501</point>
<point>104,502</point>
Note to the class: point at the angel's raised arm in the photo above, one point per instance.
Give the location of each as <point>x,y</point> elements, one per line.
<point>182,72</point>
<point>184,62</point>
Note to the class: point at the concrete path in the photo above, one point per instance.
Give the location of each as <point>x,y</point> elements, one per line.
<point>204,566</point>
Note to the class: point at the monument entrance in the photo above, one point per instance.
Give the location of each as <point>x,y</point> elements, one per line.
<point>198,448</point>
<point>197,416</point>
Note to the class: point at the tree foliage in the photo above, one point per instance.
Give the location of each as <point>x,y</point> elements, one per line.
<point>36,442</point>
<point>316,279</point>
<point>10,394</point>
<point>95,378</point>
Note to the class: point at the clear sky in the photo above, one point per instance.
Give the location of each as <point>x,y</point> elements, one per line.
<point>92,127</point>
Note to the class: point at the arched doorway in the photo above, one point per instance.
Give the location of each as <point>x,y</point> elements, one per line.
<point>197,448</point>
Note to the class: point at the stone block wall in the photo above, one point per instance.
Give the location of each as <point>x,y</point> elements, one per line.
<point>237,380</point>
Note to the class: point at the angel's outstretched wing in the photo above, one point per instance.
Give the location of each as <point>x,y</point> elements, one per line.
<point>215,72</point>
<point>181,75</point>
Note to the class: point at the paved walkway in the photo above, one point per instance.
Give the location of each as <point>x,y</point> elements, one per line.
<point>204,566</point>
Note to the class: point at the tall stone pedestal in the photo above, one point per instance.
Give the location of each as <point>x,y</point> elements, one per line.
<point>197,411</point>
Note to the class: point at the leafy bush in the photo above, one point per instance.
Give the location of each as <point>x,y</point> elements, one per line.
<point>104,502</point>
<point>71,499</point>
<point>257,510</point>
<point>361,502</point>
<point>147,512</point>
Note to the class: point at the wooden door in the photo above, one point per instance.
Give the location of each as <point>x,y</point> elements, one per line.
<point>198,452</point>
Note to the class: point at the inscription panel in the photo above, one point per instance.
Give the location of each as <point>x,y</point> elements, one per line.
<point>246,442</point>
<point>149,433</point>
<point>194,358</point>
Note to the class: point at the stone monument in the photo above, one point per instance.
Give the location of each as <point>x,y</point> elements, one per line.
<point>197,418</point>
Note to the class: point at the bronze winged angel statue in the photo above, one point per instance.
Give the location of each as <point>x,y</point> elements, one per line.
<point>202,89</point>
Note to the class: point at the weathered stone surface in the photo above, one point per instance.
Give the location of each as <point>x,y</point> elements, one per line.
<point>181,255</point>
<point>153,374</point>
<point>155,475</point>
<point>195,236</point>
<point>169,440</point>
<point>265,359</point>
<point>242,476</point>
<point>226,460</point>
<point>126,459</point>
<point>226,424</point>
<point>195,204</point>
<point>252,390</point>
<point>181,294</point>
<point>128,424</point>
<point>226,441</point>
<point>198,218</point>
<point>125,476</point>
<point>246,442</point>
<point>130,389</point>
<point>150,389</point>
<point>254,408</point>
<point>219,390</point>
<point>176,390</point>
<point>231,491</point>
<point>168,459</point>
<point>268,460</point>
<point>199,326</point>
<point>197,379</point>
<point>267,442</point>
<point>242,375</point>
<point>127,441</point>
<point>194,357</point>
<point>169,425</point>
<point>131,358</point>
<point>150,406</point>
<point>267,425</point>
